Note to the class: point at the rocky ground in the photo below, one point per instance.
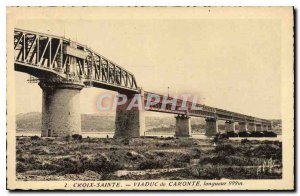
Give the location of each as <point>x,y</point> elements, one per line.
<point>146,158</point>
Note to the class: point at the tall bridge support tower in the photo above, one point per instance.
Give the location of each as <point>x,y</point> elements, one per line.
<point>130,122</point>
<point>230,126</point>
<point>211,127</point>
<point>183,126</point>
<point>61,114</point>
<point>243,126</point>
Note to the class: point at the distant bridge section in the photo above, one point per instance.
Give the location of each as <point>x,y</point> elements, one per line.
<point>204,111</point>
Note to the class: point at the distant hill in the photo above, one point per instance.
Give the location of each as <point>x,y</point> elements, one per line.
<point>103,122</point>
<point>89,122</point>
<point>29,121</point>
<point>92,122</point>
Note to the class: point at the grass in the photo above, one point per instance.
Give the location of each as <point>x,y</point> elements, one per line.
<point>99,158</point>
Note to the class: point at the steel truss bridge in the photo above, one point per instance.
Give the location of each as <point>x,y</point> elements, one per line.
<point>43,55</point>
<point>49,57</point>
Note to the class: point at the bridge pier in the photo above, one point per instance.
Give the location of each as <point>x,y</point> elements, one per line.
<point>183,126</point>
<point>129,123</point>
<point>243,126</point>
<point>211,127</point>
<point>252,127</point>
<point>61,115</point>
<point>259,127</point>
<point>229,126</point>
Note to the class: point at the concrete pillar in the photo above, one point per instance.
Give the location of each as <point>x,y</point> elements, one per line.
<point>61,115</point>
<point>259,127</point>
<point>183,126</point>
<point>229,126</point>
<point>243,126</point>
<point>269,128</point>
<point>130,122</point>
<point>265,128</point>
<point>251,127</point>
<point>211,127</point>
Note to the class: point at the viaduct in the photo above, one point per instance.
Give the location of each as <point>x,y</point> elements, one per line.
<point>64,68</point>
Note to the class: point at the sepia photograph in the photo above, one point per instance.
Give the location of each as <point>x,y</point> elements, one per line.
<point>150,98</point>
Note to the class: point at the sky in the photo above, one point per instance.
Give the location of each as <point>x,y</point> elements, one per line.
<point>229,63</point>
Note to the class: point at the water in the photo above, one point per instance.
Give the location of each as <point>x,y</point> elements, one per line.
<point>110,134</point>
<point>98,134</point>
<point>203,136</point>
<point>278,138</point>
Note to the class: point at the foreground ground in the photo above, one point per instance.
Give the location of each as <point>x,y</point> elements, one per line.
<point>146,158</point>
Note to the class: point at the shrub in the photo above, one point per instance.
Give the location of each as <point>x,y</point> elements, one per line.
<point>67,138</point>
<point>185,143</point>
<point>125,141</point>
<point>77,137</point>
<point>102,165</point>
<point>20,158</point>
<point>206,172</point>
<point>32,162</point>
<point>238,160</point>
<point>220,158</point>
<point>220,138</point>
<point>211,172</point>
<point>150,164</point>
<point>76,165</point>
<point>224,136</point>
<point>232,134</point>
<point>183,158</point>
<point>244,134</point>
<point>161,154</point>
<point>268,151</point>
<point>257,134</point>
<point>20,167</point>
<point>227,148</point>
<point>50,166</point>
<point>270,134</point>
<point>107,141</point>
<point>165,145</point>
<point>196,153</point>
<point>69,165</point>
<point>35,137</point>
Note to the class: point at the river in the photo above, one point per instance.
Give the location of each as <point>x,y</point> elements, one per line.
<point>110,134</point>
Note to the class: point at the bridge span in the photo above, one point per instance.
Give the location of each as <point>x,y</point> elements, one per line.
<point>64,67</point>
